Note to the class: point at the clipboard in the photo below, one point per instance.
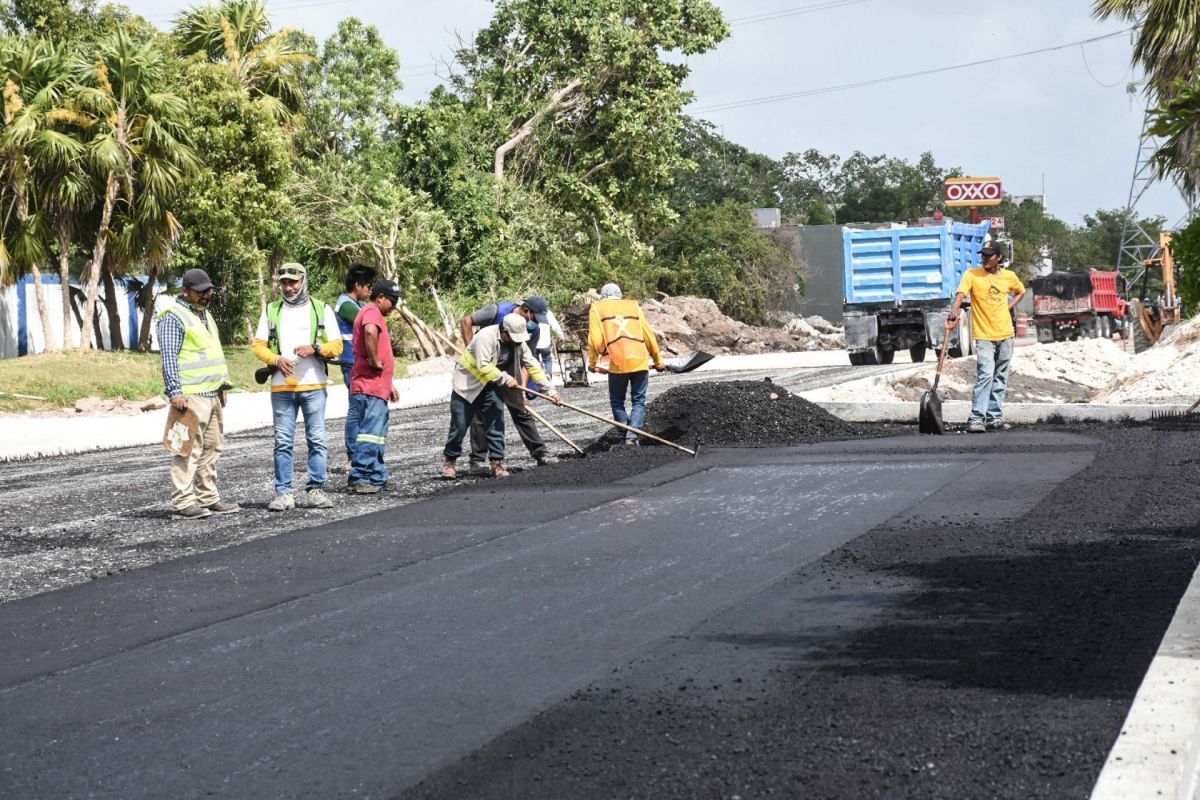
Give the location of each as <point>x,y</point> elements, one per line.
<point>182,429</point>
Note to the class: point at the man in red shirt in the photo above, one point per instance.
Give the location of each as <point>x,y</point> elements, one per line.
<point>370,389</point>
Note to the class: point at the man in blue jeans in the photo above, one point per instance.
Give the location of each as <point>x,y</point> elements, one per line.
<point>994,292</point>
<point>618,331</point>
<point>294,335</point>
<point>371,389</point>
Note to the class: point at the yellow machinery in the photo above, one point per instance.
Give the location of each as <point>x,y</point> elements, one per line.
<point>1150,319</point>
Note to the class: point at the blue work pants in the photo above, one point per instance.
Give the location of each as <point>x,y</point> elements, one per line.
<point>367,426</point>
<point>635,384</point>
<point>490,409</point>
<point>285,406</point>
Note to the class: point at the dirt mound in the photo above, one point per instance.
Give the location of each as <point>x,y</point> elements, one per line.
<point>1169,372</point>
<point>687,324</point>
<point>737,413</point>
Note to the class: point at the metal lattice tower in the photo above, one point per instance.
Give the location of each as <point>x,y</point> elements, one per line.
<point>1137,245</point>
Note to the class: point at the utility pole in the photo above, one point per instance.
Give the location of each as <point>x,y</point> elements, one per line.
<point>1137,244</point>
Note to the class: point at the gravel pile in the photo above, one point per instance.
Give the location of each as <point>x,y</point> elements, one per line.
<point>736,413</point>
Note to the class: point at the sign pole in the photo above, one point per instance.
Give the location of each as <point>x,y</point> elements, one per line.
<point>974,215</point>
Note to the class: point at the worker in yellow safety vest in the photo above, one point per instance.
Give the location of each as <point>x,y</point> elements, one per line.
<point>617,329</point>
<point>196,378</point>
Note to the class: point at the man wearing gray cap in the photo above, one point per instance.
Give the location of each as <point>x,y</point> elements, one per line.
<point>485,369</point>
<point>196,378</point>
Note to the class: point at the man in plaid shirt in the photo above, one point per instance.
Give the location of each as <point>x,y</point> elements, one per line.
<point>195,377</point>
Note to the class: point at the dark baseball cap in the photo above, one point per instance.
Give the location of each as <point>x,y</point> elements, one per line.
<point>386,288</point>
<point>987,251</point>
<point>538,305</point>
<point>197,280</point>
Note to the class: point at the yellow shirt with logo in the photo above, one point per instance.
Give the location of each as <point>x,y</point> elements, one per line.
<point>990,317</point>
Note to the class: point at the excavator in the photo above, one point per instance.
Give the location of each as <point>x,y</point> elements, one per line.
<point>1153,319</point>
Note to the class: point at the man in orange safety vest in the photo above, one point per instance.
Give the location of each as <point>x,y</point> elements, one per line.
<point>617,329</point>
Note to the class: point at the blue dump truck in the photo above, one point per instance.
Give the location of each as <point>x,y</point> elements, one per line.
<point>898,286</point>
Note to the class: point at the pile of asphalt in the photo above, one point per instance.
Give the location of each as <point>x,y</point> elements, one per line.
<point>736,414</point>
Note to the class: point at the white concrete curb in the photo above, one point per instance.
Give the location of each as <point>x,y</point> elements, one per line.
<point>1157,754</point>
<point>32,437</point>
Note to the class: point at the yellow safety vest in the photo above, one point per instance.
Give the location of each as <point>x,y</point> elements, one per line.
<point>202,367</point>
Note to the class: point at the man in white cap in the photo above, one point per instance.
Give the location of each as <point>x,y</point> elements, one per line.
<point>294,335</point>
<point>617,329</point>
<point>486,367</point>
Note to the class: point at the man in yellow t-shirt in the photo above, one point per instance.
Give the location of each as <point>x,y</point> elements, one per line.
<point>994,292</point>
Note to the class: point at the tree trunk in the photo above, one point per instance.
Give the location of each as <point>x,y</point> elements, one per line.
<point>116,337</point>
<point>437,300</point>
<point>423,339</point>
<point>39,291</point>
<point>64,276</point>
<point>93,267</point>
<point>144,340</point>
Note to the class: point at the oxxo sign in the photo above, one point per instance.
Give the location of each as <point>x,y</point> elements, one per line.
<point>973,192</point>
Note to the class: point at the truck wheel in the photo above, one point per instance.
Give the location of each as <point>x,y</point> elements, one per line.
<point>1093,330</point>
<point>886,356</point>
<point>856,359</point>
<point>1105,325</point>
<point>917,353</point>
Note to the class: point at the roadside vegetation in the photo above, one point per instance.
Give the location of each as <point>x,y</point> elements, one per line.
<point>59,380</point>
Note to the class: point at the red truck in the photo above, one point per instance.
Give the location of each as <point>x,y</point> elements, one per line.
<point>1068,305</point>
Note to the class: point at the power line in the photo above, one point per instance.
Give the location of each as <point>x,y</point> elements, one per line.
<point>1088,67</point>
<point>767,16</point>
<point>778,98</point>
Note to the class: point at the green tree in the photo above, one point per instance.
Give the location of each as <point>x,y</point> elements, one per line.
<point>1168,49</point>
<point>717,170</point>
<point>716,252</point>
<point>35,77</point>
<point>237,34</point>
<point>1185,247</point>
<point>138,150</point>
<point>582,104</point>
<point>238,207</point>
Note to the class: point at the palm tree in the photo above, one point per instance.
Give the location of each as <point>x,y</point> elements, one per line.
<point>138,150</point>
<point>1168,41</point>
<point>35,75</point>
<point>1168,49</point>
<point>237,33</point>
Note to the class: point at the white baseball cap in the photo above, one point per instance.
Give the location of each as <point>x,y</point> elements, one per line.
<point>514,325</point>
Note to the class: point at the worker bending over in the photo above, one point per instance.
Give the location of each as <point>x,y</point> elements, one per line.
<point>484,370</point>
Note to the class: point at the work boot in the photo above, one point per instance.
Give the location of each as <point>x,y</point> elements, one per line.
<point>194,511</point>
<point>498,470</point>
<point>976,426</point>
<point>283,502</point>
<point>448,470</point>
<point>479,469</point>
<point>318,499</point>
<point>363,488</point>
<point>224,507</point>
<point>544,460</point>
<point>631,442</point>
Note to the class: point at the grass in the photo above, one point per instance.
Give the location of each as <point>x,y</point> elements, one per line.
<point>66,377</point>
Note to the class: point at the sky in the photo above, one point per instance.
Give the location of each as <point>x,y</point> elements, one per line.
<point>1062,121</point>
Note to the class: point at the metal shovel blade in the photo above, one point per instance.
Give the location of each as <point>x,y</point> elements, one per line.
<point>930,419</point>
<point>697,359</point>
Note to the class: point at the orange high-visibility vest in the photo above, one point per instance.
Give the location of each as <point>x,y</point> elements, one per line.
<point>624,342</point>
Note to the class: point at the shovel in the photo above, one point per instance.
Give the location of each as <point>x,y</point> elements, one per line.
<point>930,419</point>
<point>697,359</point>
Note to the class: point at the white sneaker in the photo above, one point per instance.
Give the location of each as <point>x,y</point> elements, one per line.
<point>976,426</point>
<point>283,502</point>
<point>318,499</point>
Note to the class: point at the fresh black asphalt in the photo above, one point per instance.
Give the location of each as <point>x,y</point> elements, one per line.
<point>947,616</point>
